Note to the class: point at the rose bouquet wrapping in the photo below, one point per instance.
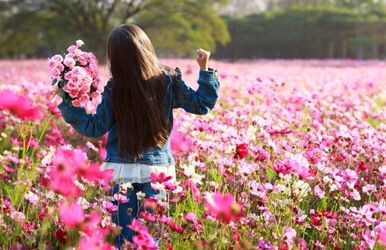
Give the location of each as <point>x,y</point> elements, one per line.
<point>76,74</point>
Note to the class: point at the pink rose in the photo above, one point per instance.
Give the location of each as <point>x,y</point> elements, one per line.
<point>77,52</point>
<point>73,93</point>
<point>86,89</point>
<point>72,48</point>
<point>60,67</point>
<point>84,98</point>
<point>52,64</point>
<point>68,75</point>
<point>69,62</point>
<point>95,83</point>
<point>98,99</point>
<point>71,85</point>
<point>75,79</point>
<point>55,73</point>
<point>76,103</point>
<point>94,95</point>
<point>57,58</point>
<point>88,80</point>
<point>78,71</point>
<point>71,54</point>
<point>82,60</point>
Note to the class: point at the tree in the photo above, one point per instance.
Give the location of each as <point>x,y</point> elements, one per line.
<point>352,4</point>
<point>308,32</point>
<point>186,24</point>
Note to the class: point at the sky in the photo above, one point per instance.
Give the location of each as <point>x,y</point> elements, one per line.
<point>243,7</point>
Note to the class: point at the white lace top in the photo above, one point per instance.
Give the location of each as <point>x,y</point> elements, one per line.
<point>136,172</point>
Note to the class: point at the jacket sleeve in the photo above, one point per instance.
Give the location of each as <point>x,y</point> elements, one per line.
<point>200,101</point>
<point>89,125</point>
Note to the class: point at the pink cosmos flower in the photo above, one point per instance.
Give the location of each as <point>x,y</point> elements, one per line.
<point>137,226</point>
<point>120,198</point>
<point>94,241</point>
<point>93,173</point>
<point>109,206</point>
<point>223,207</point>
<point>72,215</point>
<point>188,183</point>
<point>261,154</point>
<point>381,230</point>
<point>241,151</point>
<point>143,239</point>
<point>63,171</point>
<point>191,217</point>
<point>289,236</point>
<point>19,105</point>
<point>102,154</point>
<point>32,198</point>
<point>180,143</point>
<point>305,173</point>
<point>161,177</point>
<point>284,167</point>
<point>368,189</point>
<point>224,74</point>
<point>92,222</point>
<point>17,216</point>
<point>70,158</point>
<point>147,216</point>
<point>350,177</point>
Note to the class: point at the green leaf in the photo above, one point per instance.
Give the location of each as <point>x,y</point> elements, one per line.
<point>324,203</point>
<point>270,173</point>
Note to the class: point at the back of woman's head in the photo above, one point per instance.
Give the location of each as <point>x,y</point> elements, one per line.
<point>138,92</point>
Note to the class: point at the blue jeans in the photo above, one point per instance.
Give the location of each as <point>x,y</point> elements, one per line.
<point>129,210</point>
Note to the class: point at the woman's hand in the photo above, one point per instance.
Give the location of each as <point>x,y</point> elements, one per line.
<point>56,92</point>
<point>202,59</point>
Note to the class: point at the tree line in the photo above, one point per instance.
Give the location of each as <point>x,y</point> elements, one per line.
<point>40,28</point>
<point>282,29</point>
<point>308,32</point>
<point>310,29</point>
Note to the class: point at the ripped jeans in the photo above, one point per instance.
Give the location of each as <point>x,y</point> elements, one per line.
<point>131,209</point>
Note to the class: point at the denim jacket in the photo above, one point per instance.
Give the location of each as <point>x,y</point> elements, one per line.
<point>179,95</point>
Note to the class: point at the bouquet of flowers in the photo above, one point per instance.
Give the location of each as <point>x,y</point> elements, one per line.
<point>76,74</point>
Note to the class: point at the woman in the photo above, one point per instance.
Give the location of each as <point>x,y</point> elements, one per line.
<point>136,111</point>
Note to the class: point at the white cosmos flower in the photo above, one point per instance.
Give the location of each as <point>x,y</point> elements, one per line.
<point>140,195</point>
<point>126,185</point>
<point>189,171</point>
<point>83,202</point>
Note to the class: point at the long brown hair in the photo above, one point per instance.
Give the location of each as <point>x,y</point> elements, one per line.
<point>138,91</point>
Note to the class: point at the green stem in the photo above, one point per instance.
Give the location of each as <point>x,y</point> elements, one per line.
<point>41,135</point>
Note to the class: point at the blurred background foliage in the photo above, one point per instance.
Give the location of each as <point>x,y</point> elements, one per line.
<point>232,28</point>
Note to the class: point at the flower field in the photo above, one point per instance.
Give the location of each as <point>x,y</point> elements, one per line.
<point>291,157</point>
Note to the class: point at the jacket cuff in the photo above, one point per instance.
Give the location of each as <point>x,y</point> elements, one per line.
<point>207,75</point>
<point>62,105</point>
